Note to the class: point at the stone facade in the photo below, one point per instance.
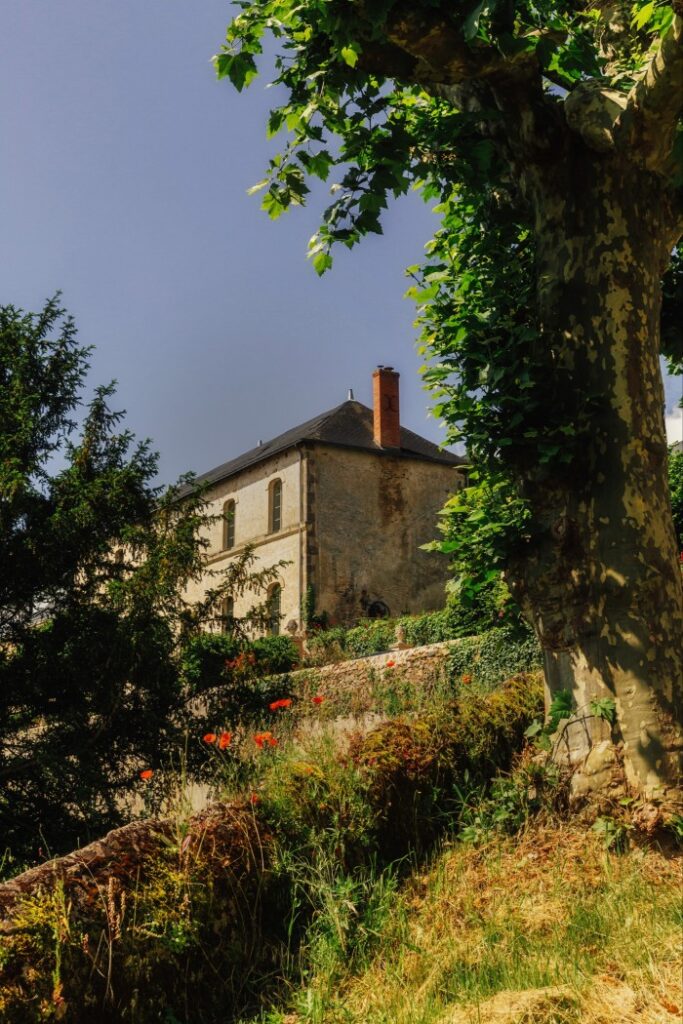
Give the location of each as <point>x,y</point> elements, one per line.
<point>354,514</point>
<point>370,516</point>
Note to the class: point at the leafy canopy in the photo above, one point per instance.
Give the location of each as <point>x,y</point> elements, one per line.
<point>373,106</point>
<point>383,97</point>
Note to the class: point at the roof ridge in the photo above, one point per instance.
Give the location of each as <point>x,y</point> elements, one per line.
<point>353,430</point>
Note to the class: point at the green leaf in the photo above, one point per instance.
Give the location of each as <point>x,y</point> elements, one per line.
<point>533,729</point>
<point>561,706</point>
<point>644,15</point>
<point>350,55</point>
<point>240,68</point>
<point>322,261</point>
<point>471,25</point>
<point>604,708</point>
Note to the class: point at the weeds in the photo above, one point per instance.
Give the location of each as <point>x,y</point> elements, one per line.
<point>295,882</point>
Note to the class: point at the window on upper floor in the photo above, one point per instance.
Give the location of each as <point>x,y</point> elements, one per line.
<point>274,609</point>
<point>275,506</point>
<point>228,525</point>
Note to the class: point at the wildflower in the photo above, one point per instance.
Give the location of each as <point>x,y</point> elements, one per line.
<point>467,679</point>
<point>209,737</point>
<point>284,702</point>
<point>318,699</point>
<point>224,740</point>
<point>254,799</point>
<point>264,737</point>
<point>391,663</point>
<point>146,774</point>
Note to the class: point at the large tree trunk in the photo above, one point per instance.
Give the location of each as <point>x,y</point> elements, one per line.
<point>603,587</point>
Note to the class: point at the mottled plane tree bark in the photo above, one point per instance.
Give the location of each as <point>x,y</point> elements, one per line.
<point>551,133</point>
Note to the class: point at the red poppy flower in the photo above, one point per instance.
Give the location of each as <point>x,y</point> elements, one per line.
<point>391,663</point>
<point>209,737</point>
<point>254,798</point>
<point>224,740</point>
<point>284,702</point>
<point>318,699</point>
<point>467,679</point>
<point>265,737</point>
<point>147,774</point>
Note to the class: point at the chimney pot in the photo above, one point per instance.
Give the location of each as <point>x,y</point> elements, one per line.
<point>387,423</point>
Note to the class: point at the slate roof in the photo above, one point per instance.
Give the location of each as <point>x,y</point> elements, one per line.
<point>349,425</point>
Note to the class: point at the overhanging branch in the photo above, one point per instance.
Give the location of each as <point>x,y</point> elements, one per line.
<point>442,56</point>
<point>656,102</point>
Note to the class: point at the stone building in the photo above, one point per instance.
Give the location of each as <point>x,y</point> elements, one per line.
<point>347,499</point>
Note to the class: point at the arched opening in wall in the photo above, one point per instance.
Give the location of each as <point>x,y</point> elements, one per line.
<point>274,605</point>
<point>378,610</point>
<point>275,506</point>
<point>228,525</point>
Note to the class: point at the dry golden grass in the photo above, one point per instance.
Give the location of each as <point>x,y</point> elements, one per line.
<point>544,928</point>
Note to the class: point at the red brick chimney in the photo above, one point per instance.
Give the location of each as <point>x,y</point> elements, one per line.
<point>385,404</point>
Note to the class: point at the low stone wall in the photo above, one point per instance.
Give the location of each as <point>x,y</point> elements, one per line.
<point>362,687</point>
<point>425,663</point>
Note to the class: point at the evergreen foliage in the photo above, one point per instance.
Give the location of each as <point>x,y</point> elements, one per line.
<point>93,619</point>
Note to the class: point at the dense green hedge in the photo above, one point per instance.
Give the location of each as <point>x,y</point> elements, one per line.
<point>488,657</point>
<point>497,654</point>
<point>216,659</point>
<point>378,635</point>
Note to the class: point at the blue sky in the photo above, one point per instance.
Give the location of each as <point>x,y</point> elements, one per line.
<point>124,173</point>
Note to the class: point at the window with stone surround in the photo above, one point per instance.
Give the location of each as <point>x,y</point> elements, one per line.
<point>228,525</point>
<point>275,506</point>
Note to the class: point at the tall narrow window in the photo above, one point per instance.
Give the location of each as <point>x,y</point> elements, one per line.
<point>228,525</point>
<point>274,609</point>
<point>227,614</point>
<point>275,506</point>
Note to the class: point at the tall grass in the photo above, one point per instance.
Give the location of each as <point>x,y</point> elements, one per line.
<point>546,928</point>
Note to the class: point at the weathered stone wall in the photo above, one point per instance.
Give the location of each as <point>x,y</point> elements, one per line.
<point>371,514</point>
<point>249,490</point>
<point>353,523</point>
<point>422,664</point>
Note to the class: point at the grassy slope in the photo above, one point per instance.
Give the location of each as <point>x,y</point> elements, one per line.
<point>543,928</point>
<point>288,897</point>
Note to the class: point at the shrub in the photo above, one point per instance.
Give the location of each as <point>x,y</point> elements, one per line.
<point>676,491</point>
<point>203,663</point>
<point>326,646</point>
<point>274,654</point>
<point>215,659</point>
<point>375,636</point>
<point>487,659</point>
<point>372,637</point>
<point>413,767</point>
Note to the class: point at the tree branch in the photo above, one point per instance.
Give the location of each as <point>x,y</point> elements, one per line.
<point>655,103</point>
<point>442,56</point>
